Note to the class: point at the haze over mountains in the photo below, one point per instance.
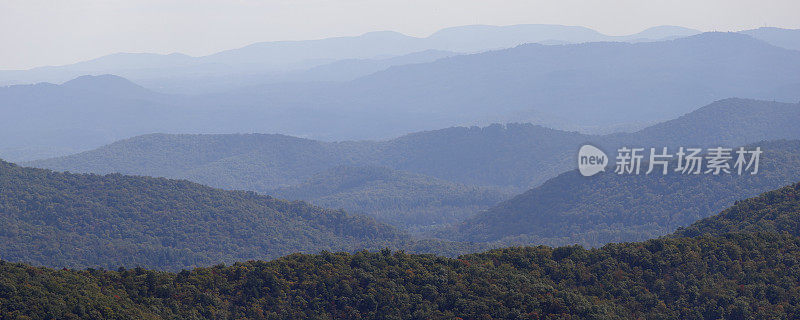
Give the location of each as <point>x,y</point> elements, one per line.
<point>272,59</point>
<point>281,61</point>
<point>511,155</point>
<point>425,180</point>
<point>447,145</point>
<point>585,86</point>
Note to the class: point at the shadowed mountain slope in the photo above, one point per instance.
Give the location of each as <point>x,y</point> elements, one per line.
<point>610,207</point>
<point>73,220</point>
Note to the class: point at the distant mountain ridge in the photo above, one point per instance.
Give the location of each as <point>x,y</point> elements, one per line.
<point>785,38</point>
<point>385,178</point>
<point>601,84</point>
<point>279,56</point>
<point>512,155</point>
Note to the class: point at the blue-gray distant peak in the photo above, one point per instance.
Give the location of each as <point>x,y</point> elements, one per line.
<point>666,32</point>
<point>786,38</point>
<point>102,82</point>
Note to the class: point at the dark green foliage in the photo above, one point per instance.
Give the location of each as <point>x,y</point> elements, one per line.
<point>613,208</point>
<point>777,211</point>
<point>410,201</point>
<point>740,275</point>
<point>733,277</point>
<point>81,220</point>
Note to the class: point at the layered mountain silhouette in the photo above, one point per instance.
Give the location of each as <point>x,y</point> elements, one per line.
<point>511,155</point>
<point>564,86</point>
<point>271,59</point>
<point>423,180</point>
<point>786,38</point>
<point>161,177</point>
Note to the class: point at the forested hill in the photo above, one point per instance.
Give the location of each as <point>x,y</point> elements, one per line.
<point>738,275</point>
<point>411,201</point>
<point>612,208</point>
<point>776,211</point>
<point>82,220</point>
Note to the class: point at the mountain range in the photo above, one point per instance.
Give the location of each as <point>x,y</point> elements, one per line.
<point>583,87</point>
<point>279,60</point>
<point>366,177</point>
<point>264,60</point>
<point>428,180</point>
<point>510,155</point>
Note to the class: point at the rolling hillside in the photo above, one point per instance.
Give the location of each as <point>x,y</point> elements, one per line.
<point>738,275</point>
<point>614,208</point>
<point>412,202</point>
<point>513,155</point>
<point>776,211</point>
<point>73,220</point>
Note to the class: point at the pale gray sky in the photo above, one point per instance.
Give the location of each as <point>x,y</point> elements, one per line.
<point>37,32</point>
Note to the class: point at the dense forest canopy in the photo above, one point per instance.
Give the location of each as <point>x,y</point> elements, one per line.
<point>85,220</point>
<point>738,275</point>
<point>777,211</point>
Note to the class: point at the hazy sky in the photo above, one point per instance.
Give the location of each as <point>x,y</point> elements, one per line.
<point>38,32</point>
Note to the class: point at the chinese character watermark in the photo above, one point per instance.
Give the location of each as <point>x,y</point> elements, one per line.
<point>688,161</point>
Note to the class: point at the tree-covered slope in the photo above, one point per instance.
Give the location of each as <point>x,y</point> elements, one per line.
<point>740,276</point>
<point>80,220</point>
<point>611,208</point>
<point>407,200</point>
<point>776,211</point>
<point>744,274</point>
